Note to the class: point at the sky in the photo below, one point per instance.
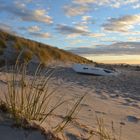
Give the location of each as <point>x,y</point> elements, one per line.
<point>105,31</point>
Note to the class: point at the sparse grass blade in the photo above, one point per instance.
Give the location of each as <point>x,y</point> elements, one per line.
<point>69,117</point>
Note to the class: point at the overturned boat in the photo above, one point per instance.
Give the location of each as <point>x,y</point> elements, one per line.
<point>89,69</point>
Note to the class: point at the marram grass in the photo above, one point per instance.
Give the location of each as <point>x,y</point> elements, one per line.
<point>28,97</point>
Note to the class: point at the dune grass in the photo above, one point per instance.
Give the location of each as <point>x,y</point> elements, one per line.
<point>45,53</point>
<point>68,118</point>
<point>28,98</point>
<point>102,131</point>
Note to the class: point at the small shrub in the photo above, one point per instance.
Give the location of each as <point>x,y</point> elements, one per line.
<point>1,51</point>
<point>27,55</point>
<point>70,115</point>
<point>2,44</point>
<point>2,62</point>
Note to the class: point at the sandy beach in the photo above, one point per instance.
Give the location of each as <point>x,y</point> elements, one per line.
<point>116,99</point>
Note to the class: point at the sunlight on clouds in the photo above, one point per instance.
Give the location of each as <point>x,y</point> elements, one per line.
<point>74,10</point>
<point>41,15</point>
<point>82,27</point>
<point>136,6</point>
<point>86,18</point>
<point>75,31</point>
<point>8,28</point>
<point>74,42</point>
<point>111,3</point>
<point>96,35</point>
<point>122,24</point>
<point>20,5</point>
<point>73,35</point>
<point>134,39</point>
<point>41,35</point>
<point>40,12</point>
<point>24,13</point>
<point>33,29</point>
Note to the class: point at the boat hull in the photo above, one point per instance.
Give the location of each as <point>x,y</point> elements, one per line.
<point>91,70</point>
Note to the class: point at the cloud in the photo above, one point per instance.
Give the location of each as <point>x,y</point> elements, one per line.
<point>34,29</point>
<point>80,7</point>
<point>111,3</point>
<point>73,32</point>
<point>86,18</point>
<point>85,2</point>
<point>134,39</point>
<point>7,28</point>
<point>28,1</point>
<point>83,24</point>
<point>75,10</point>
<point>22,12</point>
<point>106,39</point>
<point>72,35</point>
<point>96,35</point>
<point>40,35</point>
<point>122,24</point>
<point>64,29</point>
<point>74,42</point>
<point>136,6</point>
<point>40,12</point>
<point>19,4</point>
<point>131,48</point>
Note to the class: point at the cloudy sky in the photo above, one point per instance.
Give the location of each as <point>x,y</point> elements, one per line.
<point>103,30</point>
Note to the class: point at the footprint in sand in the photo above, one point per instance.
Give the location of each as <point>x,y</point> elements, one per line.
<point>99,112</point>
<point>71,136</point>
<point>133,119</point>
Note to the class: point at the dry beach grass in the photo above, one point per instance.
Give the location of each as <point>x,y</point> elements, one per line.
<point>28,99</point>
<point>12,45</point>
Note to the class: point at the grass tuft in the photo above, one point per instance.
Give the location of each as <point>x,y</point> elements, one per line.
<point>70,115</point>
<point>27,97</point>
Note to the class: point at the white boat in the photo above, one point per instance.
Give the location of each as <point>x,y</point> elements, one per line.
<point>88,69</point>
